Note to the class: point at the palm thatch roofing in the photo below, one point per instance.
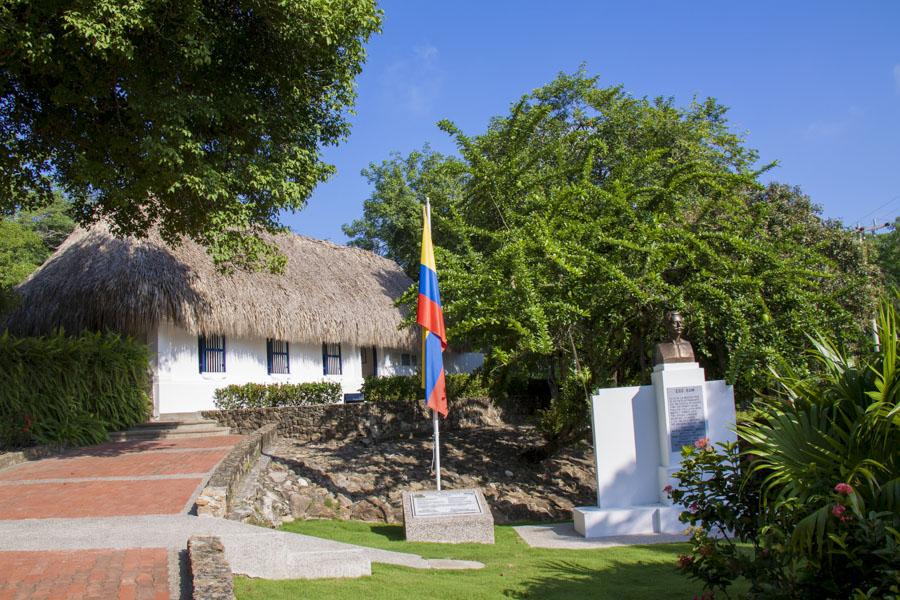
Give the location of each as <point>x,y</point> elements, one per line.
<point>326,293</point>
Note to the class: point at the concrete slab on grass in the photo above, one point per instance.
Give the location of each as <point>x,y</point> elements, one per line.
<point>564,536</point>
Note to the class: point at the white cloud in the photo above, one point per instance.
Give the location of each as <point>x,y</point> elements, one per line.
<point>414,83</point>
<point>832,128</point>
<point>897,77</point>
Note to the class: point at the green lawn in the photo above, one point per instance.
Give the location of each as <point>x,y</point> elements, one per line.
<point>513,570</point>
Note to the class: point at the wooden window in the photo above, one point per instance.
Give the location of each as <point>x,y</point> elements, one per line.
<point>212,353</point>
<point>331,359</point>
<point>278,356</point>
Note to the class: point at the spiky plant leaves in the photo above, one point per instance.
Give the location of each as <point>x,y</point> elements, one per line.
<point>71,389</point>
<point>839,425</point>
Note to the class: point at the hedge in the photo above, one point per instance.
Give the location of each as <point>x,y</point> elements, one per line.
<point>405,388</point>
<point>71,389</point>
<point>260,395</point>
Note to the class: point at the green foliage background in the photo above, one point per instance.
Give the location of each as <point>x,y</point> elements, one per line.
<point>887,248</point>
<point>63,389</point>
<point>568,228</point>
<point>408,388</point>
<point>27,239</point>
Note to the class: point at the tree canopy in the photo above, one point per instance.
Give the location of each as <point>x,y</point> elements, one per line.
<point>27,240</point>
<point>887,248</point>
<point>567,230</point>
<point>205,119</point>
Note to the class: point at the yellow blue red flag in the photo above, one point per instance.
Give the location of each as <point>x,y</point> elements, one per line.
<point>430,316</point>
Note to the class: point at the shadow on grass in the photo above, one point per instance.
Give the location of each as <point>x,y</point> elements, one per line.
<point>559,580</point>
<point>393,533</point>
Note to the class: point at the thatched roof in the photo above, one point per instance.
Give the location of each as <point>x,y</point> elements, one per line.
<point>327,292</point>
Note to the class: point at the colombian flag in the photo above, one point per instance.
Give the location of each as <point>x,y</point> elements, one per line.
<point>430,316</point>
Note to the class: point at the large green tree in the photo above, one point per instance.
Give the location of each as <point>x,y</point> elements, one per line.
<point>204,118</point>
<point>26,240</point>
<point>887,254</point>
<point>568,229</point>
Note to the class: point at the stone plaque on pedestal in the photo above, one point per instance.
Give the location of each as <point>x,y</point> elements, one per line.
<point>687,422</point>
<point>447,517</point>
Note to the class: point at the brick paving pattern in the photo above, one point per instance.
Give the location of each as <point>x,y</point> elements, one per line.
<point>156,477</point>
<point>133,574</point>
<point>135,464</point>
<point>95,498</point>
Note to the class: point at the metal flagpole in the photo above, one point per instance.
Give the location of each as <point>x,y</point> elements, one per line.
<point>434,413</point>
<point>437,448</point>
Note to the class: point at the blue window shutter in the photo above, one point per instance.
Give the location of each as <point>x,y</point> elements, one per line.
<point>324,359</point>
<point>287,357</point>
<point>269,355</point>
<point>201,349</point>
<point>223,354</point>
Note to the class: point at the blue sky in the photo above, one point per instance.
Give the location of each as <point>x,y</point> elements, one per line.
<point>813,85</point>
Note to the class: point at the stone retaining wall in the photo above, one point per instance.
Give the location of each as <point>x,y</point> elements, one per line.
<point>216,497</point>
<point>210,574</point>
<point>10,458</point>
<point>375,421</point>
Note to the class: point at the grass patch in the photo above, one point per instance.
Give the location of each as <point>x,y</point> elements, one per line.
<point>512,570</point>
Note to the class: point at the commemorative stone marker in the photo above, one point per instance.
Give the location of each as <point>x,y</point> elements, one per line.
<point>447,517</point>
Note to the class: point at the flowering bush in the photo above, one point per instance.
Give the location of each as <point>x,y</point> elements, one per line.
<point>735,534</point>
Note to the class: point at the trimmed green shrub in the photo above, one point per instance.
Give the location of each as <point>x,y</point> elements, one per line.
<point>71,389</point>
<point>396,388</point>
<point>405,388</point>
<point>261,395</point>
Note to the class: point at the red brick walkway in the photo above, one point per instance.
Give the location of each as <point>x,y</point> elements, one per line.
<point>40,490</point>
<point>95,498</point>
<point>109,480</point>
<point>124,465</point>
<point>134,574</point>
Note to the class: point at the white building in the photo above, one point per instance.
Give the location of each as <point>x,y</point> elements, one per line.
<point>331,316</point>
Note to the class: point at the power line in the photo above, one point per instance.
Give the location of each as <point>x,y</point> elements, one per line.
<point>871,212</point>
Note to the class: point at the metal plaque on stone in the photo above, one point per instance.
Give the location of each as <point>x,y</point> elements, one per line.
<point>438,504</point>
<point>447,517</point>
<point>687,422</point>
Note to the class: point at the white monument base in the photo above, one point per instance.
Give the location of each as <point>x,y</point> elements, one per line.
<point>638,436</point>
<point>595,522</point>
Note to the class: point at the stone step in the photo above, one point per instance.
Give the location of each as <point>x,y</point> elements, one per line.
<point>195,425</point>
<point>156,430</point>
<point>181,416</point>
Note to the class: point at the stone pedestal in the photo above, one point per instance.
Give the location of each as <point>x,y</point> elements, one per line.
<point>448,517</point>
<point>638,435</point>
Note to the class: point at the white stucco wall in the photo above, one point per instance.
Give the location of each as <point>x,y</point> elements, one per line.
<point>178,385</point>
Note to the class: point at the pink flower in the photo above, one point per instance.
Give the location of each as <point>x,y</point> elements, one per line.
<point>694,507</point>
<point>668,489</point>
<point>702,444</point>
<point>844,489</point>
<point>838,510</point>
<point>685,561</point>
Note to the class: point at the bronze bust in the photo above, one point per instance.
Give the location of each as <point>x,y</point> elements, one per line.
<point>677,350</point>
